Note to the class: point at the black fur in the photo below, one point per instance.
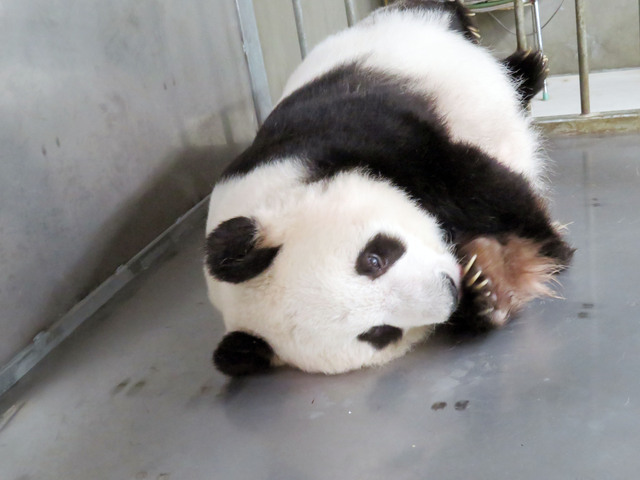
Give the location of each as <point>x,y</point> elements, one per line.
<point>241,353</point>
<point>379,255</point>
<point>529,69</point>
<point>231,253</point>
<point>381,336</point>
<point>352,118</point>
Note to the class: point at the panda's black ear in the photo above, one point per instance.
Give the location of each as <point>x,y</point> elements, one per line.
<point>240,353</point>
<point>232,254</point>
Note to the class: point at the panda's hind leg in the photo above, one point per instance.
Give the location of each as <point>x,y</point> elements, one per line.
<point>529,69</point>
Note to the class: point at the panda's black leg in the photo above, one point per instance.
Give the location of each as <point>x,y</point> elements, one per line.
<point>463,20</point>
<point>529,69</point>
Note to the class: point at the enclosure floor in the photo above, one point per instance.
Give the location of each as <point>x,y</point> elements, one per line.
<point>554,395</point>
<point>610,91</point>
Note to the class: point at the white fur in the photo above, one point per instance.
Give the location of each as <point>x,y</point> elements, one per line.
<point>311,305</point>
<point>471,90</point>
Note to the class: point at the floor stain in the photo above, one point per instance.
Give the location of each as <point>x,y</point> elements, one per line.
<point>136,388</point>
<point>439,406</point>
<point>121,386</point>
<point>461,405</point>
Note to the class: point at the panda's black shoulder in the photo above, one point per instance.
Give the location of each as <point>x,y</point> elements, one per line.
<point>338,120</point>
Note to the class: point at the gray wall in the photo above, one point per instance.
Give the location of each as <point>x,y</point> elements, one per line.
<point>612,27</point>
<point>115,118</point>
<point>277,28</point>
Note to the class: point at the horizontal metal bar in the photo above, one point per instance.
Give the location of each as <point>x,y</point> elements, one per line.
<point>50,338</point>
<point>596,123</point>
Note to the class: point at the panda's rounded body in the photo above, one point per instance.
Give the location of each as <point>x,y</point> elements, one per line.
<point>396,181</point>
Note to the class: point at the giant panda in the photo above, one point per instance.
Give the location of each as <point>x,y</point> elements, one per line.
<point>397,185</point>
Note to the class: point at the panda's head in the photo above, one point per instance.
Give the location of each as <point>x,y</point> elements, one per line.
<point>343,273</point>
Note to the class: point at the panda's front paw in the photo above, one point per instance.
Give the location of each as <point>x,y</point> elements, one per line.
<point>482,301</point>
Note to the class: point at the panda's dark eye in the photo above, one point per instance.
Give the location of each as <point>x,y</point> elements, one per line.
<point>378,255</point>
<point>375,262</point>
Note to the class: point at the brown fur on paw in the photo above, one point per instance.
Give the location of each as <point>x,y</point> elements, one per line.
<point>506,272</point>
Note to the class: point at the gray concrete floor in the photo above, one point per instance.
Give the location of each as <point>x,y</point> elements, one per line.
<point>554,395</point>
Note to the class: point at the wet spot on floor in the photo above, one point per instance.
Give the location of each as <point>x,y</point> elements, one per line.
<point>121,386</point>
<point>583,314</point>
<point>461,405</point>
<point>438,406</point>
<point>136,388</point>
<point>588,306</point>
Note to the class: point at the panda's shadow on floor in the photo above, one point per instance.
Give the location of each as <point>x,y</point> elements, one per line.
<point>258,402</point>
<point>450,335</point>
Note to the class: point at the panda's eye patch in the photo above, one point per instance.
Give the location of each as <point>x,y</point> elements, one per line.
<point>378,255</point>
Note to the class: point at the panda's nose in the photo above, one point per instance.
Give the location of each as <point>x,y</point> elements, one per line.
<point>450,284</point>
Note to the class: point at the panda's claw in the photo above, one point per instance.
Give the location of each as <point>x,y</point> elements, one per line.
<point>468,266</point>
<point>481,285</point>
<point>473,279</point>
<point>486,311</point>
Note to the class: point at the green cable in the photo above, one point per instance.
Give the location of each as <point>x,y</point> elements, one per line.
<point>491,3</point>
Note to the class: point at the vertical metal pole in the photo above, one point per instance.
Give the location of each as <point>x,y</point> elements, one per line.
<point>521,33</point>
<point>302,37</point>
<point>255,60</point>
<point>583,58</point>
<point>351,12</point>
<point>538,35</point>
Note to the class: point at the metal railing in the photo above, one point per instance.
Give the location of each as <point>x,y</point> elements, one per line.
<point>583,58</point>
<point>583,55</point>
<point>260,85</point>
